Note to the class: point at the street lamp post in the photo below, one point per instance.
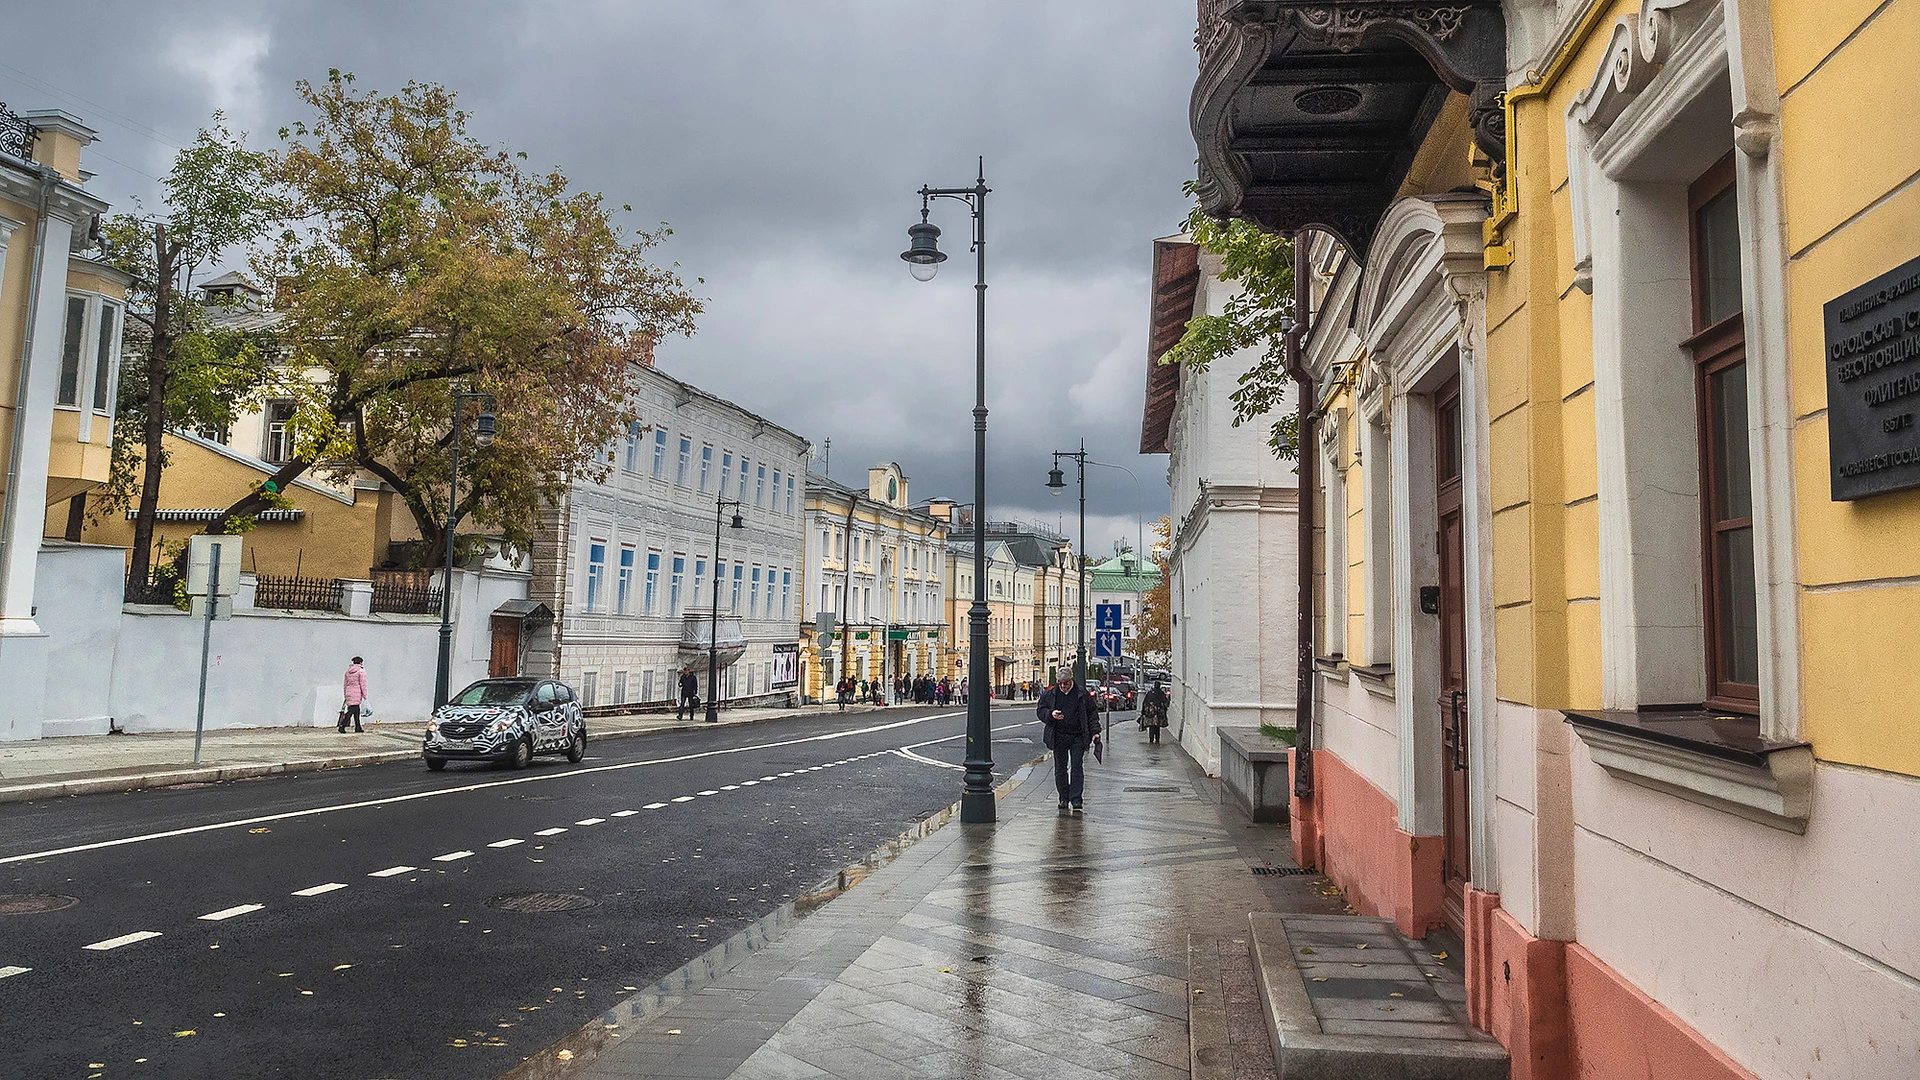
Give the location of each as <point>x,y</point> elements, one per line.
<point>1056,484</point>
<point>713,614</point>
<point>923,258</point>
<point>483,432</point>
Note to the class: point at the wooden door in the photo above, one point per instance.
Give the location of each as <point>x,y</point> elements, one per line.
<point>505,661</point>
<point>1457,862</point>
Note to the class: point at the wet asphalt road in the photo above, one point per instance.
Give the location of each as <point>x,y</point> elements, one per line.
<point>414,974</point>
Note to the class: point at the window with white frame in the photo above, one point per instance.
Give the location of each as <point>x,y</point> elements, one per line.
<point>623,598</point>
<point>775,504</point>
<point>106,347</point>
<point>72,350</point>
<point>659,454</point>
<point>760,485</point>
<point>789,496</point>
<point>589,688</point>
<point>279,433</point>
<point>685,462</point>
<point>742,493</point>
<point>753,594</point>
<point>675,583</point>
<point>596,573</point>
<point>786,594</point>
<point>726,469</point>
<point>739,577</point>
<point>706,467</point>
<point>699,579</point>
<point>633,447</point>
<point>653,584</point>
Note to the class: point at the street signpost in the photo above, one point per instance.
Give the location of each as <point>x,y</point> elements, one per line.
<point>213,574</point>
<point>1106,644</point>
<point>1106,616</point>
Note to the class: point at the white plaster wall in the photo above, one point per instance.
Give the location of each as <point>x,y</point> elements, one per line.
<point>1796,955</point>
<point>83,637</point>
<point>1360,728</point>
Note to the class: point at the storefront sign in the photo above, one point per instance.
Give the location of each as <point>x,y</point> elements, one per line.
<point>1873,385</point>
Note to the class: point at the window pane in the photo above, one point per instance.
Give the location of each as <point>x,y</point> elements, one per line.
<point>1717,226</point>
<point>1449,436</point>
<point>1733,481</point>
<point>103,364</point>
<point>1739,608</point>
<point>70,353</point>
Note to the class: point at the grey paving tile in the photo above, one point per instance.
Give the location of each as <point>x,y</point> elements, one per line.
<point>1395,1029</point>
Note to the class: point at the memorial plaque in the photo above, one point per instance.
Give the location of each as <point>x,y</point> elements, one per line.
<point>1873,385</point>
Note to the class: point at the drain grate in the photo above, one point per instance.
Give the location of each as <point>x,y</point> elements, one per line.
<point>34,903</point>
<point>539,903</point>
<point>1281,871</point>
<point>1150,789</point>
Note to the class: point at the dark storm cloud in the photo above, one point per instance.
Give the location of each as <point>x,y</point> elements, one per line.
<point>784,142</point>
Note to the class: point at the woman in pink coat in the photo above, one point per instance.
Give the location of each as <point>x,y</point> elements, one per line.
<point>354,688</point>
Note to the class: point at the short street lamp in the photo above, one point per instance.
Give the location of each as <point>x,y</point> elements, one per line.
<point>923,257</point>
<point>713,624</point>
<point>483,433</point>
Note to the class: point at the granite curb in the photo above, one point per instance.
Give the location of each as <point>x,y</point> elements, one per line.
<point>151,777</point>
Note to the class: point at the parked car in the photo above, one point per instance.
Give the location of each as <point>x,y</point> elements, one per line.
<point>509,721</point>
<point>1110,696</point>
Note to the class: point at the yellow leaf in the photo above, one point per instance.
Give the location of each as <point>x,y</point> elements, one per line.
<point>1361,945</point>
<point>1319,978</point>
<point>1441,955</point>
<point>184,1034</point>
<point>1306,951</point>
<point>1396,993</point>
<point>306,993</point>
<point>261,829</point>
<point>673,1031</point>
<point>565,1055</point>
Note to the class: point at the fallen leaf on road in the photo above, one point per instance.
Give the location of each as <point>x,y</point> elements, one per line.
<point>341,967</point>
<point>565,1055</point>
<point>1396,993</point>
<point>216,1014</point>
<point>1319,978</point>
<point>307,993</point>
<point>184,1034</point>
<point>673,1031</point>
<point>286,974</point>
<point>261,829</point>
<point>1306,951</point>
<point>1440,955</point>
<point>1361,945</point>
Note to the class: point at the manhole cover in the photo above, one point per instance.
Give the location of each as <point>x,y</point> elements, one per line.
<point>539,902</point>
<point>1150,789</point>
<point>1281,871</point>
<point>33,903</point>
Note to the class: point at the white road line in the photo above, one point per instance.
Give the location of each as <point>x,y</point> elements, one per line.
<point>625,813</point>
<point>123,939</point>
<point>654,806</point>
<point>318,889</point>
<point>228,913</point>
<point>707,792</point>
<point>911,756</point>
<point>549,832</point>
<point>766,779</point>
<point>730,787</point>
<point>392,870</point>
<point>509,842</point>
<point>570,774</point>
<point>590,821</point>
<point>10,972</point>
<point>784,775</point>
<point>749,783</point>
<point>453,856</point>
<point>684,798</point>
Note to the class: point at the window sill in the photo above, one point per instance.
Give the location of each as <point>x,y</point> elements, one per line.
<point>1334,667</point>
<point>1377,678</point>
<point>1710,758</point>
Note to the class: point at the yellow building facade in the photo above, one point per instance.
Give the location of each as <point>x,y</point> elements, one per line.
<point>1614,465</point>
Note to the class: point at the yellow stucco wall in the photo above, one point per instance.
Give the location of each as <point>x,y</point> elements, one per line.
<point>1852,213</point>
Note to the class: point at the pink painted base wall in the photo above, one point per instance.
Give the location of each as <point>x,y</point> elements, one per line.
<point>1619,1033</point>
<point>1517,989</point>
<point>1348,832</point>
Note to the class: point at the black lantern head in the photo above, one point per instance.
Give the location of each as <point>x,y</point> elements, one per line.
<point>923,255</point>
<point>484,429</point>
<point>739,522</point>
<point>1056,481</point>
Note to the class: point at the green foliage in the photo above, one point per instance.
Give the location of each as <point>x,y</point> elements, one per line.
<point>1285,735</point>
<point>1261,263</point>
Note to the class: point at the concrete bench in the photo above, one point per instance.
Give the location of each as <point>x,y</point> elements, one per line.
<point>1254,768</point>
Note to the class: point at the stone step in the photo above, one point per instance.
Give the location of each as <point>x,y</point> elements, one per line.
<point>1348,998</point>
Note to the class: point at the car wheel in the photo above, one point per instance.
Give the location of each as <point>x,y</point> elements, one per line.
<point>522,754</point>
<point>436,763</point>
<point>577,748</point>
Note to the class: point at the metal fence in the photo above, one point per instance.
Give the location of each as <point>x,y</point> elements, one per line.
<point>157,589</point>
<point>296,594</point>
<point>405,592</point>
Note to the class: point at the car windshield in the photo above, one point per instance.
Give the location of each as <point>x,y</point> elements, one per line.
<point>493,693</point>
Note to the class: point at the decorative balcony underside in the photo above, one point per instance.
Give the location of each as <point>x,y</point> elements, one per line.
<point>1308,114</point>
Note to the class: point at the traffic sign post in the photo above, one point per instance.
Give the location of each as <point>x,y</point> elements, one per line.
<point>1106,616</point>
<point>1106,644</point>
<point>214,579</point>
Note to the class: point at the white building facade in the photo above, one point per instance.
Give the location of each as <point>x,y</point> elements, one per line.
<point>627,563</point>
<point>1235,508</point>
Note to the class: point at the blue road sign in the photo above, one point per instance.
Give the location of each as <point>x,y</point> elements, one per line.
<point>1106,616</point>
<point>1106,644</point>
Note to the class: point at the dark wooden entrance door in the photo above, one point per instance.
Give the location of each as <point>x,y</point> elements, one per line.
<point>1457,863</point>
<point>505,660</point>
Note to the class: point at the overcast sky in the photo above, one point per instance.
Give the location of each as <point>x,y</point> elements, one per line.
<point>784,142</point>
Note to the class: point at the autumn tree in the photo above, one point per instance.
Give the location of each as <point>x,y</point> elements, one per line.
<point>1261,263</point>
<point>184,367</point>
<point>1153,635</point>
<point>424,262</point>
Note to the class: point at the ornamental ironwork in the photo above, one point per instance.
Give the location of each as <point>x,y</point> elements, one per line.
<point>16,135</point>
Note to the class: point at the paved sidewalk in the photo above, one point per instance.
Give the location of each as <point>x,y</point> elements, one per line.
<point>89,764</point>
<point>1046,946</point>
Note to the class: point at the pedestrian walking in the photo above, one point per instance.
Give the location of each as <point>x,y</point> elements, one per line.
<point>1153,712</point>
<point>1071,727</point>
<point>353,692</point>
<point>689,695</point>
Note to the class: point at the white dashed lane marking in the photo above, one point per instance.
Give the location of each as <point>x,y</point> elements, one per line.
<point>550,832</point>
<point>227,913</point>
<point>730,787</point>
<point>506,843</point>
<point>453,856</point>
<point>392,870</point>
<point>654,806</point>
<point>707,792</point>
<point>625,813</point>
<point>764,779</point>
<point>318,889</point>
<point>10,972</point>
<point>123,939</point>
<point>684,798</point>
<point>590,821</point>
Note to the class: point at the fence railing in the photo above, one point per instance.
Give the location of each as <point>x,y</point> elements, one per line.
<point>296,593</point>
<point>405,592</point>
<point>157,589</point>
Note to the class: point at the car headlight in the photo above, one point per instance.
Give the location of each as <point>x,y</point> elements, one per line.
<point>500,726</point>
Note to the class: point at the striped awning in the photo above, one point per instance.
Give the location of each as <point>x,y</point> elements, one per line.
<point>215,515</point>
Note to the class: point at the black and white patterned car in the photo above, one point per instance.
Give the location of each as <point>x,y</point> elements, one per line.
<point>507,720</point>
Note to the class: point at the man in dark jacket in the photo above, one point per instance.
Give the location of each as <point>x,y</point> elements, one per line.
<point>689,695</point>
<point>1072,725</point>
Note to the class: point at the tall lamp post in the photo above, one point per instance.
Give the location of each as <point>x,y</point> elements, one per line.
<point>483,432</point>
<point>923,257</point>
<point>1056,484</point>
<point>713,621</point>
